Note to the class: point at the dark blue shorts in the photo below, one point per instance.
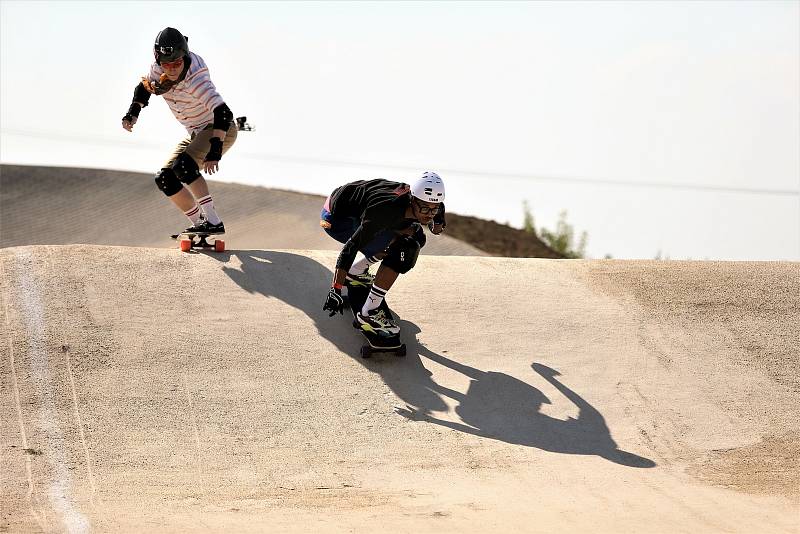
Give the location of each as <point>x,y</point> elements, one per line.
<point>343,228</point>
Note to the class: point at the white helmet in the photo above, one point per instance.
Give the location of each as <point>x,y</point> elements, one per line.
<point>429,188</point>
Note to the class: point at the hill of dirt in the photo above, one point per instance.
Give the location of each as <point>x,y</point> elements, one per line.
<point>57,205</point>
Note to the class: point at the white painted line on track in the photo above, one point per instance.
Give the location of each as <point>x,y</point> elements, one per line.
<point>34,317</point>
<point>37,515</point>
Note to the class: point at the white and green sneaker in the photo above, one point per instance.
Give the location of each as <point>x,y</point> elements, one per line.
<point>378,323</point>
<point>364,279</point>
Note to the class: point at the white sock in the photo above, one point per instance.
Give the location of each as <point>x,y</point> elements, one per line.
<point>374,299</point>
<point>362,265</point>
<point>207,203</point>
<point>194,214</point>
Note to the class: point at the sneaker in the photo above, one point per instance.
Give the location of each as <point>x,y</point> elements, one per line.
<point>364,279</point>
<point>378,323</point>
<point>205,227</point>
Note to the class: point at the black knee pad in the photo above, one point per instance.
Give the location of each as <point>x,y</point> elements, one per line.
<point>401,256</point>
<point>186,168</point>
<point>168,182</point>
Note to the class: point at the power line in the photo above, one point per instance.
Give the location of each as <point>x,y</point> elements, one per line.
<point>534,177</point>
<point>263,156</point>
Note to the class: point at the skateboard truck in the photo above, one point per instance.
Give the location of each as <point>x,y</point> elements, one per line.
<point>188,241</point>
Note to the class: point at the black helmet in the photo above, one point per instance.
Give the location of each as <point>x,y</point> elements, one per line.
<point>170,45</point>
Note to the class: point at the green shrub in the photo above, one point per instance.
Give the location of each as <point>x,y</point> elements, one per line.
<point>562,239</point>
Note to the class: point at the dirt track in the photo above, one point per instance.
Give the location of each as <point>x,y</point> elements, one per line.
<point>145,390</point>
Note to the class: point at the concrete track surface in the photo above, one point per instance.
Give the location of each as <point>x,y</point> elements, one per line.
<point>148,390</point>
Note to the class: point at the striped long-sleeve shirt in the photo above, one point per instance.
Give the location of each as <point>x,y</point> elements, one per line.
<point>193,100</point>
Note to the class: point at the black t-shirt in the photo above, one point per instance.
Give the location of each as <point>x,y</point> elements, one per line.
<point>379,205</point>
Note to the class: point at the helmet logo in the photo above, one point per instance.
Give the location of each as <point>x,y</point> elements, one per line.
<point>166,49</point>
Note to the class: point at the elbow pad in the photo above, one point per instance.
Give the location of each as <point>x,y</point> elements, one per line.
<point>222,117</point>
<point>141,95</point>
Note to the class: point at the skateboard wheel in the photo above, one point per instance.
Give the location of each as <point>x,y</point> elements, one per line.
<point>186,245</point>
<point>366,351</point>
<point>219,245</point>
<point>402,350</point>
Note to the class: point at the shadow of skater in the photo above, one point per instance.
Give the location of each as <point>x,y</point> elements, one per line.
<point>302,283</point>
<point>499,406</point>
<point>496,405</point>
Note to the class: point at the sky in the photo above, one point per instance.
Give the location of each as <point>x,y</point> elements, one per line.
<point>663,129</point>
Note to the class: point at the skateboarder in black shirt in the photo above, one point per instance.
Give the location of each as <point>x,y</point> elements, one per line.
<point>383,220</point>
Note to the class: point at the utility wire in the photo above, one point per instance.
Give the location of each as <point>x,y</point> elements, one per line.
<point>263,156</point>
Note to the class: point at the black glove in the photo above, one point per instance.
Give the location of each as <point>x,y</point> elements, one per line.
<point>435,228</point>
<point>131,116</point>
<point>334,303</point>
<point>215,152</point>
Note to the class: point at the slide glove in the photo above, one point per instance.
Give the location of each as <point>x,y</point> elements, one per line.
<point>335,302</point>
<point>215,152</point>
<point>129,119</point>
<point>435,228</point>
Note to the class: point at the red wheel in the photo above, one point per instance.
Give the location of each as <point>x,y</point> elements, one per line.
<point>186,245</point>
<point>219,245</point>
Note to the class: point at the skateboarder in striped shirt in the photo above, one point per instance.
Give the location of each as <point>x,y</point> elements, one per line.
<point>181,77</point>
<point>383,220</point>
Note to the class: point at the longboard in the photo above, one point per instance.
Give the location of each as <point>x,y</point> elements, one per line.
<point>376,343</point>
<point>190,240</point>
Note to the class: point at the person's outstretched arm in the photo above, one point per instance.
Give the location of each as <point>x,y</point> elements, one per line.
<point>141,97</point>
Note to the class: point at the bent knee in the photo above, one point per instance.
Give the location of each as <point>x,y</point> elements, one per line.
<point>186,168</point>
<point>168,182</point>
<point>402,254</point>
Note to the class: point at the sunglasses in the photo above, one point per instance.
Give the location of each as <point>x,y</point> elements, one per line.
<point>424,210</point>
<point>172,64</point>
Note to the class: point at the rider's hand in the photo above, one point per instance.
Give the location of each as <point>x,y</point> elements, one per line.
<point>128,121</point>
<point>335,302</point>
<point>210,167</point>
<point>211,161</point>
<point>436,228</point>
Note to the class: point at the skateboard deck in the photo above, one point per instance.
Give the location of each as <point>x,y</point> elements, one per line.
<point>190,240</point>
<point>357,294</point>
